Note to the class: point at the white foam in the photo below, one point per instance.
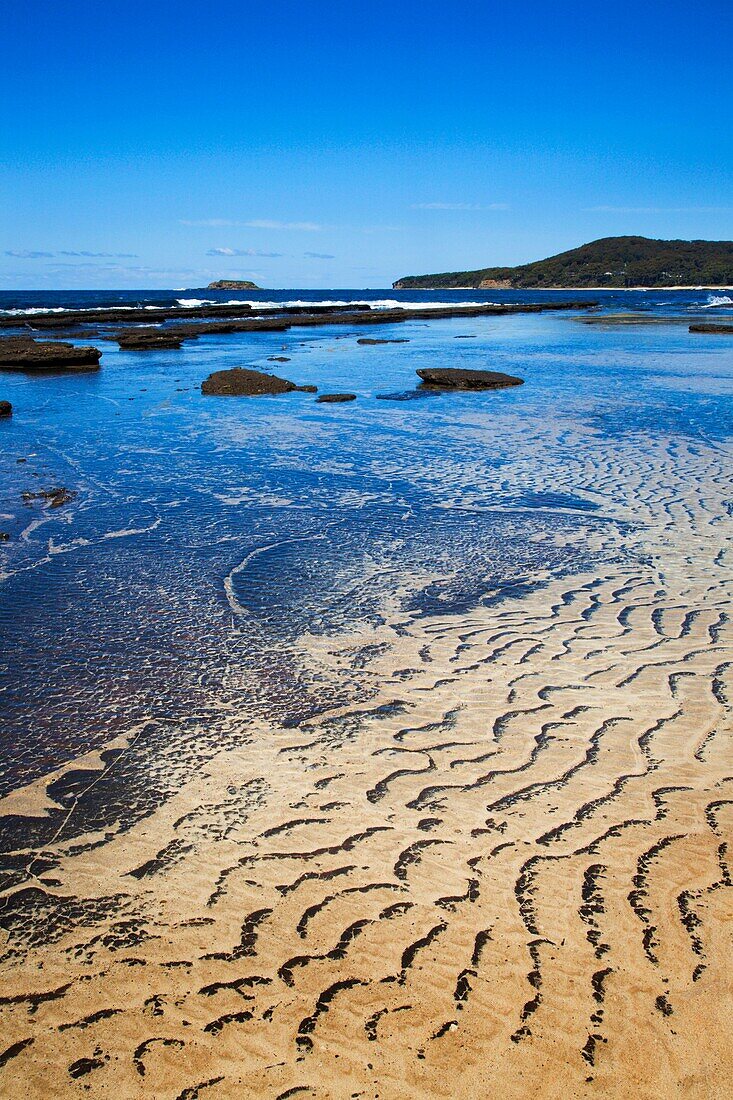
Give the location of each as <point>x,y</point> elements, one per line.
<point>31,312</point>
<point>718,300</point>
<point>380,303</point>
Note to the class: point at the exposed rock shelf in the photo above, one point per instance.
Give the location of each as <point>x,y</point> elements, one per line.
<point>24,354</point>
<point>458,378</point>
<point>720,329</point>
<point>243,382</point>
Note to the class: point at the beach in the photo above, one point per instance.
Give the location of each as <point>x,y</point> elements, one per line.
<point>420,785</point>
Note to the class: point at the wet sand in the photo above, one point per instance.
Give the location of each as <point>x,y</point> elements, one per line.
<point>507,875</point>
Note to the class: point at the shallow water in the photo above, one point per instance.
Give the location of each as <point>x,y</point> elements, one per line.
<point>210,536</point>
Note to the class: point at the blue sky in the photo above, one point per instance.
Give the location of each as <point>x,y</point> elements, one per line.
<point>321,144</point>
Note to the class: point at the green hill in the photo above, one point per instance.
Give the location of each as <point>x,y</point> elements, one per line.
<point>608,262</point>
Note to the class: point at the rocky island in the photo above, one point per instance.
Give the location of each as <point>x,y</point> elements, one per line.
<point>233,284</point>
<point>611,262</point>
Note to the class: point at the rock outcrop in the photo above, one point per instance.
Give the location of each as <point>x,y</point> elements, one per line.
<point>123,315</point>
<point>233,284</point>
<point>6,409</point>
<point>720,329</point>
<point>55,498</point>
<point>22,353</point>
<point>149,340</point>
<point>459,378</point>
<point>244,382</point>
<point>336,398</point>
<point>396,340</point>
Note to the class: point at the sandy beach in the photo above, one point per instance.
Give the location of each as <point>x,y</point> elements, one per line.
<point>507,875</point>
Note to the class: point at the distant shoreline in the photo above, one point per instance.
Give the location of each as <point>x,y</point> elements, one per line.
<point>575,289</point>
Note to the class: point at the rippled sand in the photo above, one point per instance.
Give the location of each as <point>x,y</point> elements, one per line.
<point>506,876</point>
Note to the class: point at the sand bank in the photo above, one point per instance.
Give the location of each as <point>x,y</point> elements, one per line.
<point>506,876</point>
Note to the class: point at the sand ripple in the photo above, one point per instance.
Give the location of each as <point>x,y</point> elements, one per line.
<point>506,876</point>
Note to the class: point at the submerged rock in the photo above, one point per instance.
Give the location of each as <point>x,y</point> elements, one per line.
<point>244,382</point>
<point>6,409</point>
<point>721,329</point>
<point>410,395</point>
<point>278,359</point>
<point>22,353</point>
<point>55,498</point>
<point>397,340</point>
<point>336,398</point>
<point>460,378</point>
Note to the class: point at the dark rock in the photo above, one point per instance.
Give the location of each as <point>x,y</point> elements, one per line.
<point>307,389</point>
<point>353,313</point>
<point>459,378</point>
<point>55,498</point>
<point>73,318</point>
<point>410,395</point>
<point>473,337</point>
<point>6,409</point>
<point>726,330</point>
<point>4,536</point>
<point>173,337</point>
<point>368,340</point>
<point>278,359</point>
<point>149,340</point>
<point>243,382</point>
<point>336,398</point>
<point>22,353</point>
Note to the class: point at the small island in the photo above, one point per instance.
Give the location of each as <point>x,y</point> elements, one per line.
<point>610,263</point>
<point>233,284</point>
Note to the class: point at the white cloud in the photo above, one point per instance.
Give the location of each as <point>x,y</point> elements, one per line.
<point>264,223</point>
<point>243,252</point>
<point>318,256</point>
<point>29,254</point>
<point>101,255</point>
